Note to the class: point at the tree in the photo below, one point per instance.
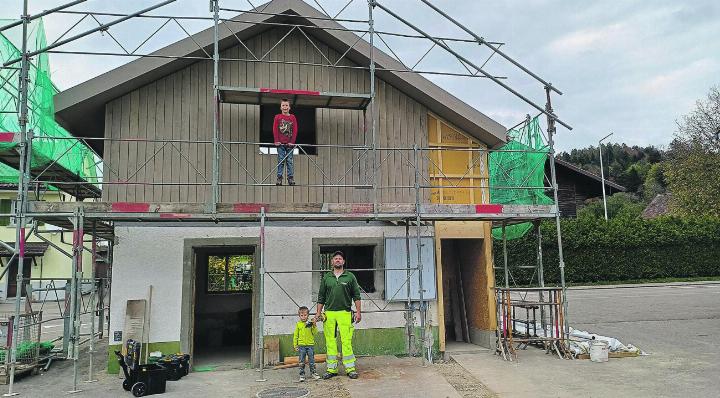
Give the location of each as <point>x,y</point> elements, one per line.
<point>693,168</point>
<point>619,205</point>
<point>655,182</point>
<point>700,129</point>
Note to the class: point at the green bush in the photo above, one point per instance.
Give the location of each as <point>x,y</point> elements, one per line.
<point>622,248</point>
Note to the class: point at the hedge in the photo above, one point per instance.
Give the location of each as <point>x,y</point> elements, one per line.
<point>596,250</point>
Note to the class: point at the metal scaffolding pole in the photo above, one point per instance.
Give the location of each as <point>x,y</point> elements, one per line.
<point>42,14</point>
<point>93,292</point>
<point>261,298</point>
<point>541,273</point>
<point>473,65</point>
<point>553,180</point>
<point>409,317</point>
<point>215,196</point>
<point>425,337</point>
<point>75,297</point>
<point>495,48</point>
<point>373,112</point>
<point>24,174</point>
<point>505,256</point>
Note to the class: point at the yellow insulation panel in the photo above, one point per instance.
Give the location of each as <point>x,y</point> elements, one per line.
<point>455,171</point>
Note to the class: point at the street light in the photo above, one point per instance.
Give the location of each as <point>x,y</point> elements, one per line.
<point>602,174</point>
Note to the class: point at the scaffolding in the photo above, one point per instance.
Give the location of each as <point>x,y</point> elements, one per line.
<point>369,160</point>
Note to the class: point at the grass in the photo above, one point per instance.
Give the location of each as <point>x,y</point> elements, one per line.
<point>657,280</point>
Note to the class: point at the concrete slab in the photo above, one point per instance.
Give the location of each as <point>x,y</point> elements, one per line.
<point>384,376</point>
<point>389,376</point>
<point>539,375</point>
<point>678,325</point>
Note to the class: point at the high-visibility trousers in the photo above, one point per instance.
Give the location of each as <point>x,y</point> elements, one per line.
<point>339,322</point>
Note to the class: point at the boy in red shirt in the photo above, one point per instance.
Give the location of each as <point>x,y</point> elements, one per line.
<point>285,130</point>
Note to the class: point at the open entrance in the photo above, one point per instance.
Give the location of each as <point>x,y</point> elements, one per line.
<point>465,293</point>
<point>223,306</point>
<point>12,276</point>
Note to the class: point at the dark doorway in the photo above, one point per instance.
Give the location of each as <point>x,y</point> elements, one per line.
<point>12,275</point>
<point>223,306</point>
<point>464,295</point>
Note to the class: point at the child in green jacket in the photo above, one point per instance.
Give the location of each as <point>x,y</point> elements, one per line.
<point>304,342</point>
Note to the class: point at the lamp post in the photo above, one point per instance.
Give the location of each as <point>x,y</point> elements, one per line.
<point>602,174</point>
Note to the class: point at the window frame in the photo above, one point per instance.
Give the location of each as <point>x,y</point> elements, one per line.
<point>378,245</point>
<point>242,251</point>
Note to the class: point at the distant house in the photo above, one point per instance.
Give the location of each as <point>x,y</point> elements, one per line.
<point>44,263</point>
<point>576,186</point>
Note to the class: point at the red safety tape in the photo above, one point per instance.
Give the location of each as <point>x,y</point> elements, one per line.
<point>291,92</point>
<point>488,209</point>
<point>361,208</point>
<point>130,207</point>
<point>21,247</point>
<point>249,207</point>
<point>7,137</point>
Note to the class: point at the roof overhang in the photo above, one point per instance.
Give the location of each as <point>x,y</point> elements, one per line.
<point>81,109</point>
<point>32,249</point>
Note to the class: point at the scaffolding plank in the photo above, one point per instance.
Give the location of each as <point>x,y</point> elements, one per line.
<point>297,98</point>
<point>60,177</point>
<point>167,211</point>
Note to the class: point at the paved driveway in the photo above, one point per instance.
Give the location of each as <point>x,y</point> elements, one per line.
<point>679,326</point>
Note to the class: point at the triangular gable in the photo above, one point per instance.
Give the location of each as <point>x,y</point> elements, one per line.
<point>81,108</point>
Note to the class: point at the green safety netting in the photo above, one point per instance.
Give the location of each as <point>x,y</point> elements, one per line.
<point>27,349</point>
<point>8,175</point>
<point>522,166</point>
<point>70,154</point>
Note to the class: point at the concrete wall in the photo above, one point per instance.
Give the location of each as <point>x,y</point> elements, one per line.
<point>154,256</point>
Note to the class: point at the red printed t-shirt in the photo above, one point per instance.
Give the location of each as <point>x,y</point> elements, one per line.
<point>285,128</point>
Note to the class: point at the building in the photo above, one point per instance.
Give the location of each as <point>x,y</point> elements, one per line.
<point>45,265</point>
<point>576,186</point>
<point>199,275</point>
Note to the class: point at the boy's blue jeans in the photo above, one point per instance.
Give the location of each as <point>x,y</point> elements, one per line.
<point>285,157</point>
<point>309,351</point>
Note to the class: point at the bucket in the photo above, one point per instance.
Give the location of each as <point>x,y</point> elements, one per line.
<point>599,351</point>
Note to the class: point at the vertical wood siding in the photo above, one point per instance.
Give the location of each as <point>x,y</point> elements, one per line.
<point>180,107</point>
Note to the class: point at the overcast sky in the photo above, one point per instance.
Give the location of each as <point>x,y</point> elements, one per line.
<point>628,67</point>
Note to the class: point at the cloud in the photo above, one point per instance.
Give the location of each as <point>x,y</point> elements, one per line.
<point>670,81</point>
<point>589,39</point>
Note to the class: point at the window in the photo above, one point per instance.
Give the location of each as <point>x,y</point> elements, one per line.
<point>230,273</point>
<point>306,128</point>
<point>6,207</point>
<point>356,257</point>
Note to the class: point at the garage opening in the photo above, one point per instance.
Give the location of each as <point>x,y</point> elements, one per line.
<point>223,310</point>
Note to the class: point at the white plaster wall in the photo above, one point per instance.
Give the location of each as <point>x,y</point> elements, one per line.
<point>147,256</point>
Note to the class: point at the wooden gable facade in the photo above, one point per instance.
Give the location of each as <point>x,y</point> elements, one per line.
<point>172,118</point>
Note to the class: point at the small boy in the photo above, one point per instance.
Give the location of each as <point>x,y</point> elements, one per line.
<point>285,129</point>
<point>304,342</point>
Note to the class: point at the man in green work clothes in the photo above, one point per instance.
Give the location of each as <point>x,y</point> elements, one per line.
<point>338,289</point>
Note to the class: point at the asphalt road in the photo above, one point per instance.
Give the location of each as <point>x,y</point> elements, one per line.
<point>670,320</point>
<point>678,326</point>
